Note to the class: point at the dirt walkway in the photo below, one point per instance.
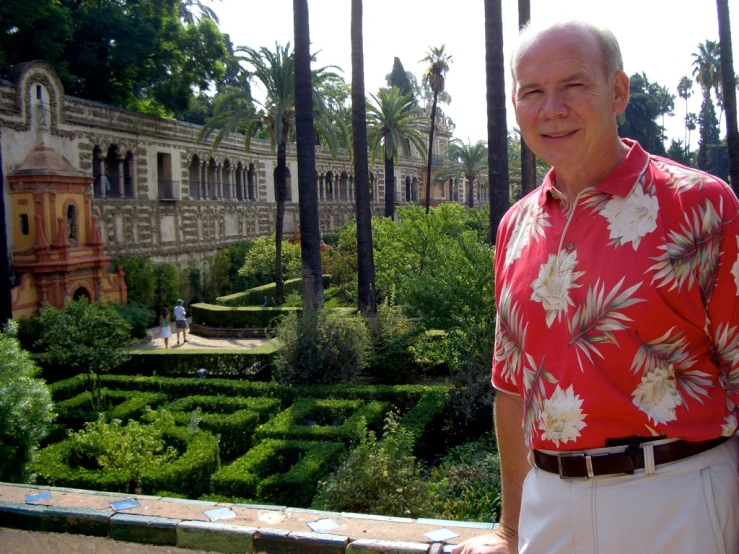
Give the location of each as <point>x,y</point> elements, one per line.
<point>195,341</point>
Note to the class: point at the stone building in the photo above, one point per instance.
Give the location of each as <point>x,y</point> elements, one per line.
<point>155,191</point>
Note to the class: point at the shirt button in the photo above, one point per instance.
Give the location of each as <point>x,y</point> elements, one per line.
<point>570,245</point>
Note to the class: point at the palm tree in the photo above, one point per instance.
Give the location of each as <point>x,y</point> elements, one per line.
<point>729,91</point>
<point>528,160</point>
<point>470,161</point>
<point>392,123</point>
<point>685,91</point>
<point>497,127</point>
<point>187,15</point>
<point>310,231</point>
<point>365,260</point>
<point>435,77</point>
<point>233,111</point>
<point>706,71</point>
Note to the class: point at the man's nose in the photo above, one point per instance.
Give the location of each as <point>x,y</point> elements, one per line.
<point>553,106</point>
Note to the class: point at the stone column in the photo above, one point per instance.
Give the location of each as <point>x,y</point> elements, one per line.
<point>101,172</point>
<point>202,187</point>
<point>121,185</point>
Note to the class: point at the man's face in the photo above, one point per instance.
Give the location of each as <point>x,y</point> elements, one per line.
<point>565,106</point>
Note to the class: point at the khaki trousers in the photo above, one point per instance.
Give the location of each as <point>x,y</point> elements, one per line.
<point>686,507</point>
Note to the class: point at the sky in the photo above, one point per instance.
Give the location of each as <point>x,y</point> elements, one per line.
<point>657,37</point>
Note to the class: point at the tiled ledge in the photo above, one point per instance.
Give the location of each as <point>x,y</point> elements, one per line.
<point>184,524</point>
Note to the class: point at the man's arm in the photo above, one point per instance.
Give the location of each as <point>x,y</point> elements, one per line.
<point>514,467</point>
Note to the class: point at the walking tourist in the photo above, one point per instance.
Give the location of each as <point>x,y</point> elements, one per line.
<point>180,321</point>
<point>165,331</point>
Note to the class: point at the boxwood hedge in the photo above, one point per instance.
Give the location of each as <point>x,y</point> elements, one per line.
<point>255,296</point>
<point>279,471</point>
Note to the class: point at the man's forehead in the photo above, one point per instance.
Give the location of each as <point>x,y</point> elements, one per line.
<point>564,48</point>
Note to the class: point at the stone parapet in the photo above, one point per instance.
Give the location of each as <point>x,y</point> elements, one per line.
<point>71,520</point>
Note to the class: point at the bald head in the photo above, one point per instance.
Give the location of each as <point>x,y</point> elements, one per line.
<point>605,40</point>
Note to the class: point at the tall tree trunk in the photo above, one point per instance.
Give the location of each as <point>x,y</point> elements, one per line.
<point>431,151</point>
<point>365,259</point>
<point>703,131</point>
<point>6,304</point>
<point>470,192</point>
<point>729,91</point>
<point>310,232</point>
<point>389,186</point>
<point>497,126</point>
<point>528,160</point>
<point>280,178</point>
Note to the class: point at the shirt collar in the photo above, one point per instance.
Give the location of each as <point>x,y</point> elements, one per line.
<point>621,180</point>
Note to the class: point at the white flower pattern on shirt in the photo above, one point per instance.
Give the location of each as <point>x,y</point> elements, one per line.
<point>552,287</point>
<point>561,417</point>
<point>528,222</point>
<point>631,218</point>
<point>735,270</point>
<point>657,394</point>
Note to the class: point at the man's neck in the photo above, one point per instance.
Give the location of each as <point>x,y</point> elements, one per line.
<point>572,181</point>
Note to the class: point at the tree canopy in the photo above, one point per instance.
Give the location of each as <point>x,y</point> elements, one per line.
<point>647,102</point>
<point>139,55</point>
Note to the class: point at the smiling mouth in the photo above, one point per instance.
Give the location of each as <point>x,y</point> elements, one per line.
<point>558,135</point>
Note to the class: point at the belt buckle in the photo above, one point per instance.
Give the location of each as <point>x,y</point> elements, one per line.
<point>588,464</point>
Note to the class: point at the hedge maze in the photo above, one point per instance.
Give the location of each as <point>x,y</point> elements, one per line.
<point>242,440</point>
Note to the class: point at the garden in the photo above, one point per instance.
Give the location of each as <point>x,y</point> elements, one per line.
<point>387,414</point>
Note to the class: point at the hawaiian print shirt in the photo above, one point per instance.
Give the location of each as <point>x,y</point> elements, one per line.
<point>618,314</point>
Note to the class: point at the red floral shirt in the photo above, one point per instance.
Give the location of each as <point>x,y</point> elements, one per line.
<point>618,314</point>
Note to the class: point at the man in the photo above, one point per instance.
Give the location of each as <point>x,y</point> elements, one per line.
<point>180,321</point>
<point>617,341</point>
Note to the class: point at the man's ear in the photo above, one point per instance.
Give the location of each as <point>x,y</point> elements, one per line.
<point>620,92</point>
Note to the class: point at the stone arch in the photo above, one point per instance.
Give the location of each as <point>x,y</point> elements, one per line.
<point>343,187</point>
<point>329,184</point>
<point>239,180</point>
<point>414,189</point>
<point>80,291</point>
<point>38,73</point>
<point>408,190</point>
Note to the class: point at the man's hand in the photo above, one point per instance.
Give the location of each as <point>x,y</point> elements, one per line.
<point>502,541</point>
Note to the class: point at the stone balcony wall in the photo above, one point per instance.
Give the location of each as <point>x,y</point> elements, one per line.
<point>71,521</point>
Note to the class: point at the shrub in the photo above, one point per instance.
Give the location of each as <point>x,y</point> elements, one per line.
<point>138,317</point>
<point>83,337</point>
<point>394,337</point>
<point>166,286</point>
<point>466,485</point>
<point>259,266</point>
<point>121,405</point>
<point>377,477</point>
<point>139,277</point>
<point>25,408</point>
<point>131,458</point>
<point>321,347</point>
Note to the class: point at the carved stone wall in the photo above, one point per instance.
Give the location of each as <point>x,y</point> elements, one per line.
<point>163,155</point>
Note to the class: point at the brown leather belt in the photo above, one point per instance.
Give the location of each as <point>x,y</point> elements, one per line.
<point>579,465</point>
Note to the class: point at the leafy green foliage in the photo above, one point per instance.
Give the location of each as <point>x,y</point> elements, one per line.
<point>394,339</point>
<point>25,408</point>
<point>321,348</point>
<point>139,277</point>
<point>166,286</point>
<point>466,485</point>
<point>127,53</point>
<point>139,317</point>
<point>259,266</point>
<point>378,477</point>
<point>647,102</point>
<point>83,337</point>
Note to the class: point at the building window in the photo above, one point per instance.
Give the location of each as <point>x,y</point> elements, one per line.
<point>24,225</point>
<point>72,224</point>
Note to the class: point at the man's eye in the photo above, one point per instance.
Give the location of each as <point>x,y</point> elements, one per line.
<point>573,85</point>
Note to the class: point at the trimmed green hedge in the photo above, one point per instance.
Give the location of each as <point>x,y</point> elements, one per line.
<point>78,410</point>
<point>189,474</point>
<point>233,420</point>
<point>254,364</point>
<point>279,471</point>
<point>255,296</point>
<point>333,420</point>
<point>244,317</point>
